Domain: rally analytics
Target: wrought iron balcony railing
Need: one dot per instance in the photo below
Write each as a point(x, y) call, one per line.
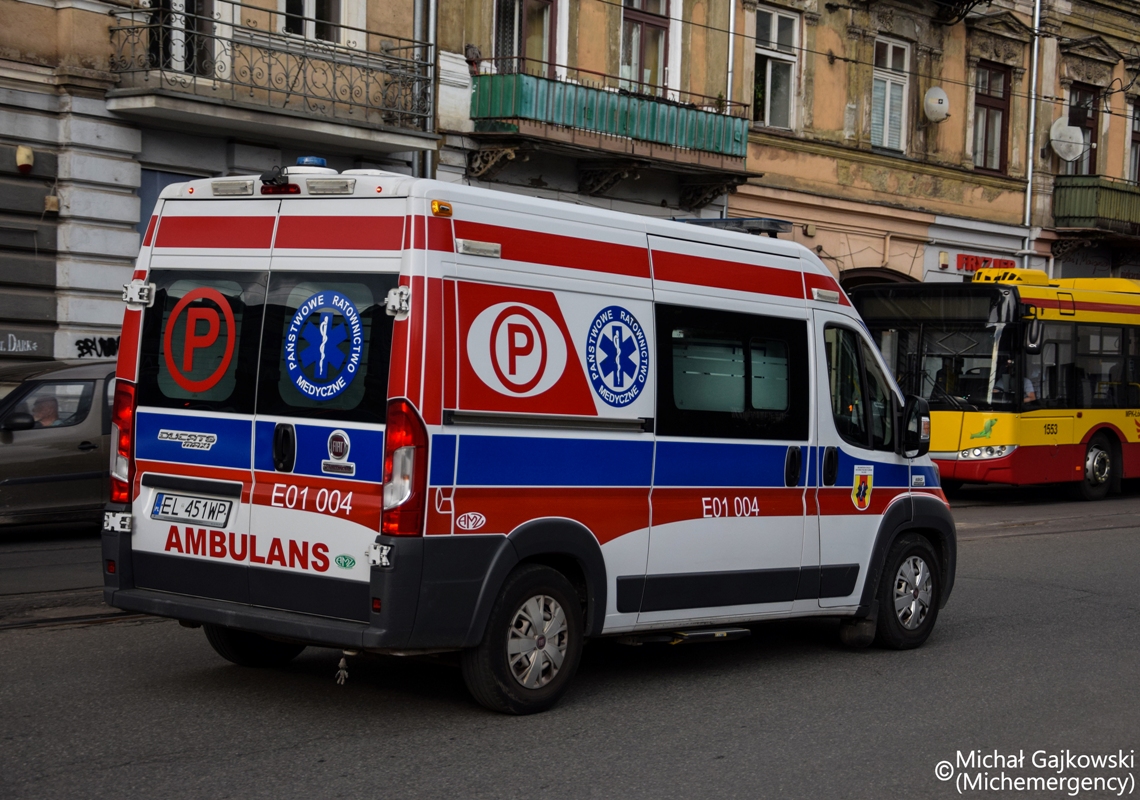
point(1093, 201)
point(521, 89)
point(259, 58)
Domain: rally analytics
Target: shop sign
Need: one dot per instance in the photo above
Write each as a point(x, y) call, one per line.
point(971, 264)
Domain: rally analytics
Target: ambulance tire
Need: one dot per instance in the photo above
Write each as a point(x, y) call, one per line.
point(1098, 468)
point(908, 602)
point(487, 668)
point(249, 649)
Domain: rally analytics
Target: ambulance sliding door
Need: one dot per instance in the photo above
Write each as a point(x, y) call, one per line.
point(733, 436)
point(321, 404)
point(860, 475)
point(194, 424)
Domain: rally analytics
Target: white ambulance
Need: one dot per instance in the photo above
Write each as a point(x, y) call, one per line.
point(390, 415)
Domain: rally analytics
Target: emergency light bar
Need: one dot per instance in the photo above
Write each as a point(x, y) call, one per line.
point(331, 185)
point(232, 188)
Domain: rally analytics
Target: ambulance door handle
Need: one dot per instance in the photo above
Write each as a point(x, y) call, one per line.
point(792, 464)
point(284, 447)
point(830, 466)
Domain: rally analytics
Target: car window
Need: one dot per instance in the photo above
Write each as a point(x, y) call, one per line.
point(58, 405)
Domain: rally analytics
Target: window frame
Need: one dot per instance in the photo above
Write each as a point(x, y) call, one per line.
point(1134, 142)
point(643, 18)
point(892, 76)
point(770, 51)
point(989, 102)
point(517, 60)
point(751, 424)
point(1091, 123)
point(309, 21)
point(864, 350)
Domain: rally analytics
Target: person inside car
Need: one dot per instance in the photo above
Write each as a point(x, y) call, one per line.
point(45, 411)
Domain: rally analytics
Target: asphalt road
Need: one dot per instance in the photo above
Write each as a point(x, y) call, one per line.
point(1037, 650)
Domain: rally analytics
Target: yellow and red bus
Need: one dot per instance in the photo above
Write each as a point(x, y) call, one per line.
point(1029, 380)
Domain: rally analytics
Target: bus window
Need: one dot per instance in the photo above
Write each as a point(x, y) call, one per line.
point(1051, 371)
point(1131, 397)
point(1100, 366)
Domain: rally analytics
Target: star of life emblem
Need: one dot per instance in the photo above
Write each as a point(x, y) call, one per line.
point(323, 345)
point(617, 356)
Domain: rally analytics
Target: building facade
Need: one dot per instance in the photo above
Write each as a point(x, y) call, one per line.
point(112, 101)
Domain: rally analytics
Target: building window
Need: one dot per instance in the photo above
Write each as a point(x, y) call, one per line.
point(182, 36)
point(313, 19)
point(1083, 115)
point(524, 40)
point(991, 117)
point(888, 95)
point(644, 31)
point(1134, 155)
point(777, 52)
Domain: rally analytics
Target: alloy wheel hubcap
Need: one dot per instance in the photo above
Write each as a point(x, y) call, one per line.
point(913, 592)
point(536, 644)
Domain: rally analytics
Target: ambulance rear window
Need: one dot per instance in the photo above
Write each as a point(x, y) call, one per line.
point(327, 345)
point(199, 340)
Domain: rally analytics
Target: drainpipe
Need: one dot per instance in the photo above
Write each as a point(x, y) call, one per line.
point(1032, 132)
point(418, 33)
point(432, 24)
point(732, 48)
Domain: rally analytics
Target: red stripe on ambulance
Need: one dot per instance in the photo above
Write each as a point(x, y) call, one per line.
point(712, 272)
point(216, 233)
point(560, 251)
point(340, 233)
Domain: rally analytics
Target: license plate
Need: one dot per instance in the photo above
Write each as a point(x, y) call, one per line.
point(181, 508)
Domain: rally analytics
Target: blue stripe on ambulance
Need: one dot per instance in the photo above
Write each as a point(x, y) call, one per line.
point(886, 475)
point(534, 461)
point(366, 450)
point(719, 464)
point(231, 449)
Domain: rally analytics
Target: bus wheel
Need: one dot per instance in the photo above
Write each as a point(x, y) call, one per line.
point(1098, 470)
point(909, 593)
point(250, 650)
point(532, 645)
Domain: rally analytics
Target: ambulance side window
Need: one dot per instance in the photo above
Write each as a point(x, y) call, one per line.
point(327, 346)
point(199, 338)
point(729, 375)
point(861, 402)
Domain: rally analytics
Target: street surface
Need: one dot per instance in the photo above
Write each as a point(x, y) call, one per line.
point(1036, 650)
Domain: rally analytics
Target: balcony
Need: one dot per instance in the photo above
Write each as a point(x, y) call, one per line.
point(244, 68)
point(604, 116)
point(1092, 201)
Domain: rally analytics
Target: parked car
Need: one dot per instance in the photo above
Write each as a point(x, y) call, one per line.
point(55, 431)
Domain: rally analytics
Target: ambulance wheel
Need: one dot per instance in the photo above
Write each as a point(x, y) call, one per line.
point(1098, 472)
point(250, 650)
point(532, 645)
point(909, 593)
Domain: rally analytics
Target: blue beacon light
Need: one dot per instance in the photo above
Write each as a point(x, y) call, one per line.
point(311, 161)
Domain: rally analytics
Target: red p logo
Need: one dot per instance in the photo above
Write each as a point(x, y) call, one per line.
point(194, 338)
point(517, 347)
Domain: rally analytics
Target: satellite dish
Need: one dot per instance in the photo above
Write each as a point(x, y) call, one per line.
point(1067, 141)
point(935, 104)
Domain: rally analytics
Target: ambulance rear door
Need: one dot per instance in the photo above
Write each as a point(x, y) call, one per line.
point(195, 396)
point(321, 403)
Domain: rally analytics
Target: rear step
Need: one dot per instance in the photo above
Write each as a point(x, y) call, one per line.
point(685, 637)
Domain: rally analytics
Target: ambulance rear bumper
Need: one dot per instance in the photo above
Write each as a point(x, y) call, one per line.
point(267, 621)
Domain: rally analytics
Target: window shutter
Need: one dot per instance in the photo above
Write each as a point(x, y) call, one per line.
point(896, 112)
point(878, 111)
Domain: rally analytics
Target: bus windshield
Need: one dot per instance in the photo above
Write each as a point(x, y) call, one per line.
point(955, 366)
point(951, 344)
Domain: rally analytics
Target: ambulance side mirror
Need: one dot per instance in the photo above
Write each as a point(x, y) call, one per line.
point(916, 427)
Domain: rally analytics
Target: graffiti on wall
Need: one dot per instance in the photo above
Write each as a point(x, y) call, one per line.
point(103, 347)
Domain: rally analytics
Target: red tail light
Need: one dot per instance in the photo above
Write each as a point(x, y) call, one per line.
point(122, 441)
point(405, 471)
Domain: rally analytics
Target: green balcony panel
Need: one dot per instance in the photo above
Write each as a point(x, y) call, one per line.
point(650, 119)
point(1092, 201)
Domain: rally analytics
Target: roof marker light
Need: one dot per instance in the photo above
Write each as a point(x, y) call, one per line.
point(440, 208)
point(331, 185)
point(232, 188)
point(311, 161)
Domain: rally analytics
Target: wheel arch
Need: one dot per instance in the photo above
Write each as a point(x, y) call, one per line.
point(564, 545)
point(924, 514)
